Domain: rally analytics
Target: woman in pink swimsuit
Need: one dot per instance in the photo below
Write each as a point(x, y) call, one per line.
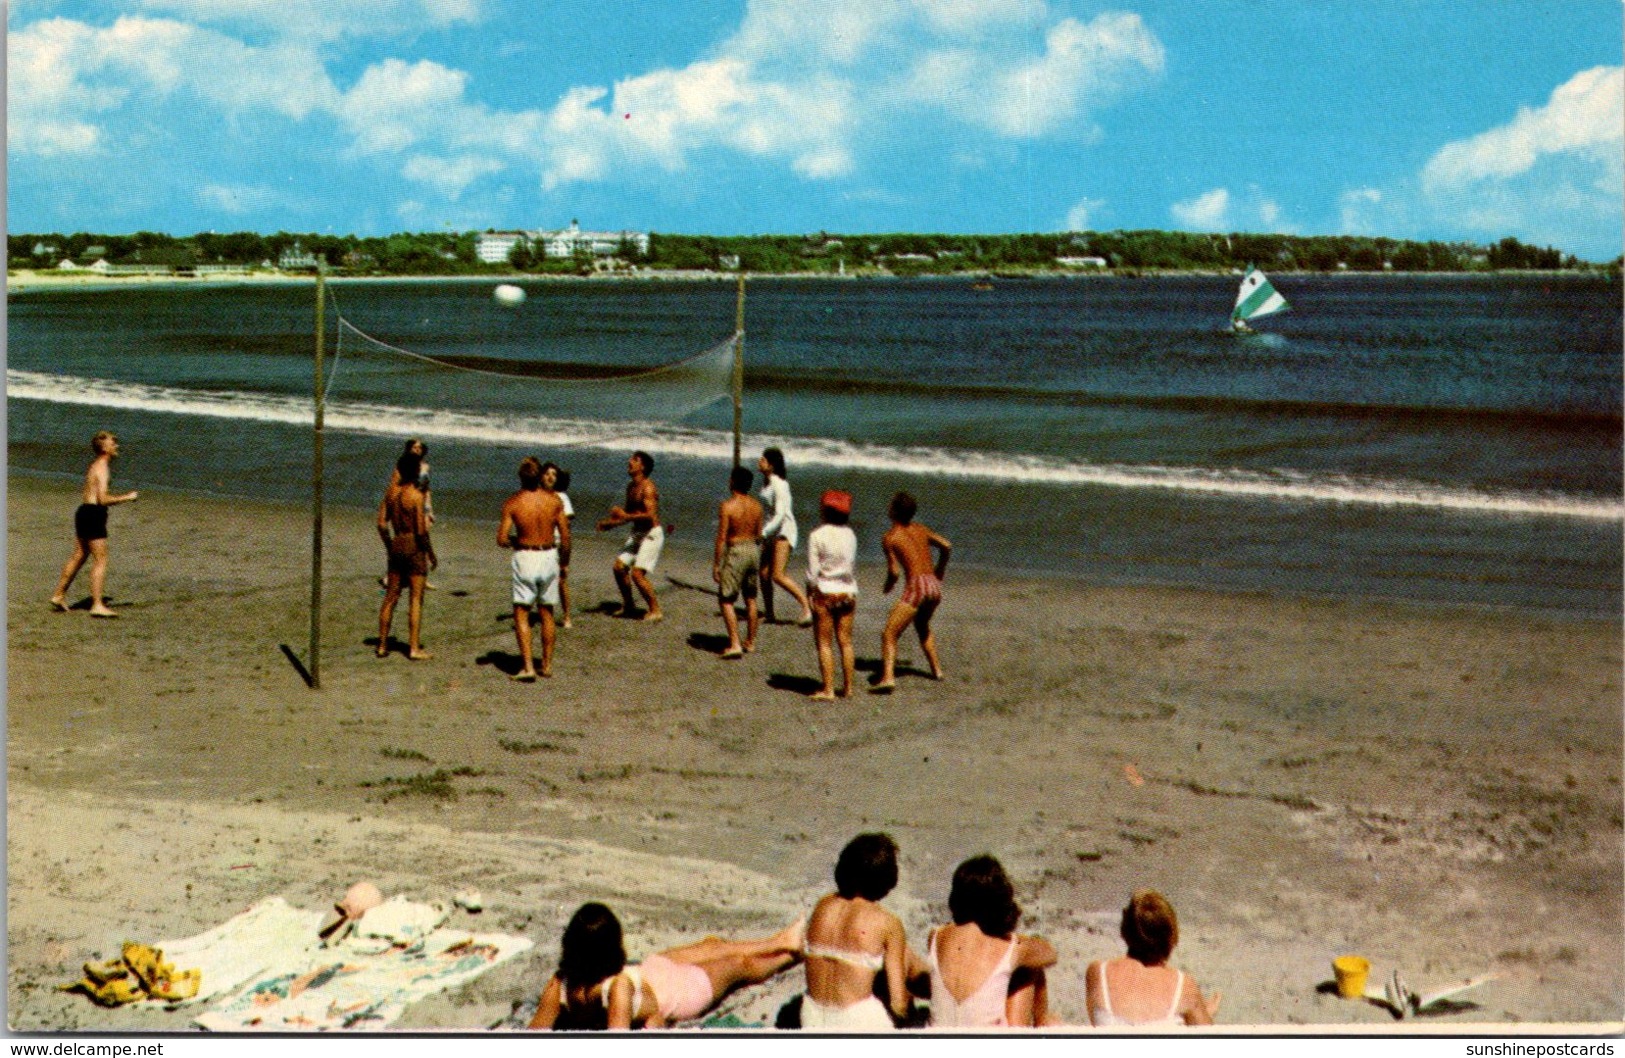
point(983, 973)
point(1141, 989)
point(594, 987)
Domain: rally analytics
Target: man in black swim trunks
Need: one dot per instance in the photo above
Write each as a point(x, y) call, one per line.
point(90, 526)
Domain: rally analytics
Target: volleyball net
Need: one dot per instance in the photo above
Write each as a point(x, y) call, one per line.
point(524, 385)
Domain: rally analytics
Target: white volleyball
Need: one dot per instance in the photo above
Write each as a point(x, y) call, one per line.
point(508, 294)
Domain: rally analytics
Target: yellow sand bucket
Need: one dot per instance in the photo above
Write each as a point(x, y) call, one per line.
point(1351, 972)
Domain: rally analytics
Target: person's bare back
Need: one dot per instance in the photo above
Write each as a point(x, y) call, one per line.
point(403, 525)
point(741, 518)
point(912, 545)
point(534, 518)
point(403, 508)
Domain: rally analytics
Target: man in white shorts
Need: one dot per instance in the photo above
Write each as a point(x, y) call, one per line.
point(642, 549)
point(534, 525)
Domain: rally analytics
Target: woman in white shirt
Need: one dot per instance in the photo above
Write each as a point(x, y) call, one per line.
point(832, 590)
point(561, 486)
point(778, 535)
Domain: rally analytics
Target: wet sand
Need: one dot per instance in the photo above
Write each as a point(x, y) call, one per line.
point(1438, 790)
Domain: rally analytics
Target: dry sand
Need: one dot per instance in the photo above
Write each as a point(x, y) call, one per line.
point(1437, 790)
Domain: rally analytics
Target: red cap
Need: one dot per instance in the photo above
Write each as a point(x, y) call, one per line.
point(836, 500)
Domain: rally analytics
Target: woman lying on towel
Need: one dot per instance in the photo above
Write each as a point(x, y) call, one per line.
point(983, 973)
point(1141, 989)
point(594, 987)
point(852, 940)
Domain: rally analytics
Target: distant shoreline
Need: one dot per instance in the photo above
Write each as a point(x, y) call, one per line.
point(26, 280)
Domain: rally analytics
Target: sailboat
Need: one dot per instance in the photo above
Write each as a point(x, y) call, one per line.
point(1257, 297)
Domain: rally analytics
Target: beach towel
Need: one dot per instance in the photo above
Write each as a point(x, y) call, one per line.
point(400, 921)
point(344, 988)
point(270, 937)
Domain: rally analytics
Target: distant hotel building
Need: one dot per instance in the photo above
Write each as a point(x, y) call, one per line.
point(493, 247)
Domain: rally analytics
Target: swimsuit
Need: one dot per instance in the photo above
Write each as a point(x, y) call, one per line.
point(835, 605)
point(1103, 1015)
point(866, 1015)
point(642, 548)
point(535, 576)
point(405, 558)
point(740, 571)
point(781, 519)
point(861, 959)
point(90, 522)
point(681, 991)
point(922, 588)
point(984, 1007)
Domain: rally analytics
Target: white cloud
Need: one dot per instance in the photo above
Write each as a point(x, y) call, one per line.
point(66, 78)
point(1081, 66)
point(236, 198)
point(449, 176)
point(1586, 115)
point(1082, 213)
point(396, 104)
point(321, 19)
point(661, 117)
point(1206, 212)
point(811, 85)
point(1552, 175)
point(1356, 208)
point(1221, 210)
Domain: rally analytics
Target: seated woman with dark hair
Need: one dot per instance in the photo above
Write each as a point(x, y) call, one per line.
point(1141, 989)
point(983, 973)
point(594, 988)
point(852, 940)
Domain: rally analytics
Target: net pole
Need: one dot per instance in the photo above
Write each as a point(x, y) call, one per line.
point(316, 489)
point(739, 367)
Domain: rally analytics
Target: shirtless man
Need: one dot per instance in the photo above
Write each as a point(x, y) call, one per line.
point(534, 525)
point(738, 555)
point(90, 526)
point(908, 555)
point(403, 524)
point(637, 559)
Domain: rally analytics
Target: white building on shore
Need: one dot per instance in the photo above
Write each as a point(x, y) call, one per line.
point(494, 247)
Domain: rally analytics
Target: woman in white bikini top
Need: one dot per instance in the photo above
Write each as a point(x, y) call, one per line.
point(851, 940)
point(1141, 989)
point(983, 974)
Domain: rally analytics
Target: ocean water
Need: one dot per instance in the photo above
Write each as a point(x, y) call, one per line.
point(1444, 440)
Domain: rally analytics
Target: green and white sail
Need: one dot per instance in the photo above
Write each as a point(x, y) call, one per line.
point(1257, 297)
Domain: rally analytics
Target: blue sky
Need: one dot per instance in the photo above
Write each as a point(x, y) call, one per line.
point(1432, 119)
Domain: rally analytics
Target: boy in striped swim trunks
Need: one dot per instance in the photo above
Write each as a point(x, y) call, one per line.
point(908, 558)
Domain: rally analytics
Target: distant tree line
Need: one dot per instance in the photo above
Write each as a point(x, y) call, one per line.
point(452, 253)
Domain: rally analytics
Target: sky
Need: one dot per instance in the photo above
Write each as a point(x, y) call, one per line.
point(1426, 119)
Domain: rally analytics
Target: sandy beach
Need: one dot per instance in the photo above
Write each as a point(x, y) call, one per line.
point(1435, 789)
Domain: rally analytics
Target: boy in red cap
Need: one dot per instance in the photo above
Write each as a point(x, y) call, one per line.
point(832, 590)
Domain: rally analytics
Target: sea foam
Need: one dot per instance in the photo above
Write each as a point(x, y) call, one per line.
point(717, 445)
